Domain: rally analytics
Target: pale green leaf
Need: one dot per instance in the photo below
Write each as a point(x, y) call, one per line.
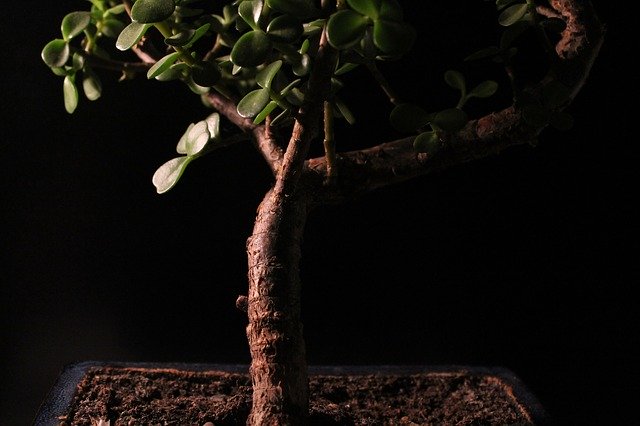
point(162, 65)
point(131, 35)
point(70, 92)
point(74, 23)
point(169, 173)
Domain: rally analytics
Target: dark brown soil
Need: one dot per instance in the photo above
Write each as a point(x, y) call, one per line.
point(130, 396)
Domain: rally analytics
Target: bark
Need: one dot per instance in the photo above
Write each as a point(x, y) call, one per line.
point(278, 366)
point(278, 362)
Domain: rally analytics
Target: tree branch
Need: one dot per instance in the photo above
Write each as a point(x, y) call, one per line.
point(389, 163)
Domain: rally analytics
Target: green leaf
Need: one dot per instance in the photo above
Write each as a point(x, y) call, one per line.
point(169, 173)
point(162, 65)
point(345, 28)
point(181, 38)
point(455, 79)
point(182, 142)
point(513, 14)
point(409, 118)
point(265, 112)
point(77, 62)
point(112, 27)
point(302, 67)
point(484, 90)
point(369, 8)
point(345, 68)
point(91, 85)
point(200, 32)
point(55, 53)
point(393, 38)
point(70, 92)
point(197, 138)
point(451, 120)
point(253, 103)
point(487, 52)
point(267, 74)
point(285, 29)
point(299, 8)
point(501, 4)
point(59, 71)
point(74, 23)
point(344, 110)
point(206, 74)
point(427, 142)
point(131, 35)
point(152, 11)
point(174, 72)
point(116, 10)
point(246, 12)
point(251, 49)
point(213, 125)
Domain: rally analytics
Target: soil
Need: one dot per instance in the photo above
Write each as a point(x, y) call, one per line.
point(138, 396)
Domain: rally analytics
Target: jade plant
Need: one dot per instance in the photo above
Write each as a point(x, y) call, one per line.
point(276, 70)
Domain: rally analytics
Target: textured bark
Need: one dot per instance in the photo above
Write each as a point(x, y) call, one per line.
point(278, 367)
point(278, 362)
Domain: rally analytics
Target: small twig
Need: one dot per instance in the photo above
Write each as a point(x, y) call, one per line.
point(113, 65)
point(384, 84)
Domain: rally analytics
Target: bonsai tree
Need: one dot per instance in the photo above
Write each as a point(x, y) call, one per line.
point(274, 70)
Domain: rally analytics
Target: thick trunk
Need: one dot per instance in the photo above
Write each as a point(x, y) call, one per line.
point(278, 367)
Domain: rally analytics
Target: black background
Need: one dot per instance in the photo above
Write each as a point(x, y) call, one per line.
point(527, 260)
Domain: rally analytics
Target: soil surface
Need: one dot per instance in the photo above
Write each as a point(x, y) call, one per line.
point(133, 396)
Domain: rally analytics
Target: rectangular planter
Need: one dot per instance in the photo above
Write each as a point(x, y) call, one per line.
point(61, 395)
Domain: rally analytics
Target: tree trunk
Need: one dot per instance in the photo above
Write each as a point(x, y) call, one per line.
point(278, 366)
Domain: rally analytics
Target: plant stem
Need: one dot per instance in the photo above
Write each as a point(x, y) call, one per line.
point(382, 81)
point(329, 143)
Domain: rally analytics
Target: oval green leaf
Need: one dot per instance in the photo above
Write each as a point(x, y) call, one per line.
point(91, 85)
point(265, 112)
point(74, 23)
point(487, 52)
point(451, 119)
point(369, 8)
point(253, 103)
point(285, 29)
point(112, 27)
point(455, 79)
point(162, 65)
point(151, 11)
point(197, 138)
point(267, 74)
point(213, 125)
point(427, 142)
point(345, 28)
point(484, 90)
point(180, 39)
point(70, 92)
point(393, 38)
point(513, 14)
point(131, 35)
point(409, 118)
point(251, 49)
point(169, 173)
point(55, 53)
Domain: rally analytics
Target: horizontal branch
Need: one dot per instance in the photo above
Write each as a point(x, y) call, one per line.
point(393, 162)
